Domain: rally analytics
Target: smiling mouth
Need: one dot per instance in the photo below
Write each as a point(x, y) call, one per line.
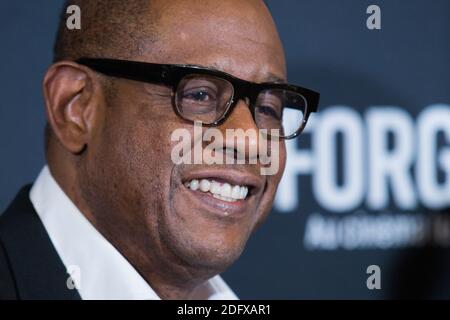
point(220, 190)
point(224, 193)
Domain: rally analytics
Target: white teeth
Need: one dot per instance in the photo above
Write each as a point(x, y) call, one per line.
point(236, 192)
point(194, 185)
point(224, 191)
point(244, 192)
point(205, 185)
point(215, 188)
point(218, 196)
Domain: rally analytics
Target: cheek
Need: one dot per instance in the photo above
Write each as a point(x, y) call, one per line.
point(272, 184)
point(134, 157)
point(147, 153)
point(283, 157)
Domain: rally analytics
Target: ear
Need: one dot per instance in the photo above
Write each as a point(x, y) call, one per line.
point(72, 94)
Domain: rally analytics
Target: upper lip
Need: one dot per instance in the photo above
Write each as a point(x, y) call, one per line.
point(231, 176)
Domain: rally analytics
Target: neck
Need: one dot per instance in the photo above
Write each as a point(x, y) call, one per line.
point(167, 275)
point(167, 291)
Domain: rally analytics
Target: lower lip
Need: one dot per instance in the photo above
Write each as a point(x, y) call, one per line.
point(219, 207)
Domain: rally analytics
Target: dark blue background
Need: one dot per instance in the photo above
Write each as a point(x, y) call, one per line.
point(328, 48)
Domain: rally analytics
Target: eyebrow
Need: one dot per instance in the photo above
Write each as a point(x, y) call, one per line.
point(270, 77)
point(274, 78)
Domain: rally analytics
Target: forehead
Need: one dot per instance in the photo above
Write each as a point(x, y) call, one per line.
point(238, 37)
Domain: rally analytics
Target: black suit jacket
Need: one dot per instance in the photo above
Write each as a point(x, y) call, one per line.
point(30, 267)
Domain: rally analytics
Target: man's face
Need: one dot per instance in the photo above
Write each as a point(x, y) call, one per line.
point(138, 195)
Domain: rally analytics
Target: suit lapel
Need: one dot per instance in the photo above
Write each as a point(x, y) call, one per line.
point(37, 268)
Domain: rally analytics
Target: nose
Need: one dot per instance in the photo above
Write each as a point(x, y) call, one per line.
point(241, 135)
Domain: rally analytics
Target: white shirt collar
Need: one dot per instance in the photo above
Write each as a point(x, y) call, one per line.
point(103, 272)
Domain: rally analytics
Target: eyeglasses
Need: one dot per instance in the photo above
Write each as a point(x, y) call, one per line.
point(209, 96)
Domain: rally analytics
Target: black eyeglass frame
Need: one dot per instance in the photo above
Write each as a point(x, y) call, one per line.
point(172, 74)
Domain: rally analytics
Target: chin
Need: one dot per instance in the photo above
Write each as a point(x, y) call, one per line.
point(211, 253)
point(209, 244)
